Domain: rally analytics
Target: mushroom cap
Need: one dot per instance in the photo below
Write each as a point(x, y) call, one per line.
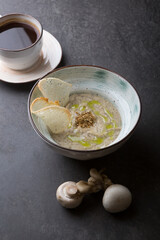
point(68, 196)
point(116, 198)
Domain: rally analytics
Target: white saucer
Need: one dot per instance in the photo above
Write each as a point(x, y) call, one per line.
point(51, 55)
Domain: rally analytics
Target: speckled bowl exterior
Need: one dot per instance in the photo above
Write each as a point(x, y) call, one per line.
point(104, 82)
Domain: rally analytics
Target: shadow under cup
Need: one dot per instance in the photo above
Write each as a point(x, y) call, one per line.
point(20, 41)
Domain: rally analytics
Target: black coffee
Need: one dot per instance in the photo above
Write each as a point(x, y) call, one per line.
point(15, 36)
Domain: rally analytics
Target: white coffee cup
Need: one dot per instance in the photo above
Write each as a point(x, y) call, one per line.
point(24, 58)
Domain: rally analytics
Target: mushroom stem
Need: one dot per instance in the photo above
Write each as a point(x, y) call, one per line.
point(71, 190)
point(83, 187)
point(106, 182)
point(96, 175)
point(99, 181)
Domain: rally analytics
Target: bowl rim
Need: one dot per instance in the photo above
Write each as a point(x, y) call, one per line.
point(75, 150)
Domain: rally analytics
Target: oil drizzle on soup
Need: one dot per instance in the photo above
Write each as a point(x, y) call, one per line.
point(106, 127)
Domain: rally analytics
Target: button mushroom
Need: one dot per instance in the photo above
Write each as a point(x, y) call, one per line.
point(116, 198)
point(68, 195)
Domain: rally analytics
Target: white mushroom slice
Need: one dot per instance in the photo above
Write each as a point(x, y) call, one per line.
point(68, 195)
point(55, 117)
point(40, 103)
point(116, 198)
point(55, 90)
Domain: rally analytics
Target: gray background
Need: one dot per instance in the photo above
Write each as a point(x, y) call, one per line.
point(124, 37)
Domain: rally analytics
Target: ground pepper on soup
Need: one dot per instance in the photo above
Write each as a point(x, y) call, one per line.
point(95, 123)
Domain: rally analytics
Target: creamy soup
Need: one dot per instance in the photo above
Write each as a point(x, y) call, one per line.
point(95, 123)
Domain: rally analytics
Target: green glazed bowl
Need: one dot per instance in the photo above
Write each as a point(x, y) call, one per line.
point(104, 82)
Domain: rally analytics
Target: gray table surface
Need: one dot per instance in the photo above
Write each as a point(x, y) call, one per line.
point(124, 37)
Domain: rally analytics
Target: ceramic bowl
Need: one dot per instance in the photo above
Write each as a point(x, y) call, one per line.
point(104, 82)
